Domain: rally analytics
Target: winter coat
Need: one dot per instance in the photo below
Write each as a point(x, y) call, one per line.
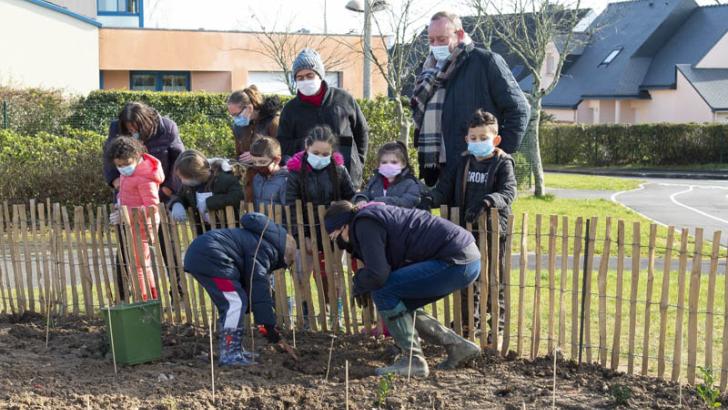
point(141, 189)
point(484, 81)
point(501, 183)
point(270, 189)
point(318, 186)
point(340, 111)
point(225, 188)
point(404, 191)
point(396, 237)
point(228, 253)
point(165, 145)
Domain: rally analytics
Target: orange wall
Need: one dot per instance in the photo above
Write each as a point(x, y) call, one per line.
point(217, 81)
point(123, 50)
point(117, 80)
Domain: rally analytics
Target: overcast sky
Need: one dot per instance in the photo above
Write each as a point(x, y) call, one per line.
point(285, 15)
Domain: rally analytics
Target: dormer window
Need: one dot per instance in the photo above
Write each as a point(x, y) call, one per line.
point(611, 56)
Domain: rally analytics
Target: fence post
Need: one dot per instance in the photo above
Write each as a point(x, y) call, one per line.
point(583, 288)
point(6, 120)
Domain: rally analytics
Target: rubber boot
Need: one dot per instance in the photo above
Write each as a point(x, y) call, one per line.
point(399, 323)
point(231, 349)
point(459, 350)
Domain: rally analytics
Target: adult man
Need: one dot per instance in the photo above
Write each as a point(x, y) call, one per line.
point(456, 80)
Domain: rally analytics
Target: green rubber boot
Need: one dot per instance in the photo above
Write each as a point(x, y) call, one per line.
point(459, 350)
point(399, 323)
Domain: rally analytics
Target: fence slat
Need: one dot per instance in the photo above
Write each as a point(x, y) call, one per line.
point(331, 272)
point(317, 268)
point(5, 288)
point(522, 282)
point(298, 293)
point(305, 268)
point(15, 259)
point(587, 300)
point(44, 239)
point(494, 268)
point(188, 284)
point(61, 290)
point(71, 264)
point(484, 278)
point(81, 252)
point(444, 212)
point(35, 249)
point(616, 341)
point(711, 300)
point(602, 286)
point(507, 288)
point(680, 312)
point(470, 300)
point(664, 300)
point(693, 299)
point(578, 232)
point(724, 362)
point(152, 232)
point(176, 279)
point(633, 294)
point(96, 263)
point(562, 279)
point(553, 226)
point(648, 299)
point(536, 317)
point(195, 290)
point(27, 257)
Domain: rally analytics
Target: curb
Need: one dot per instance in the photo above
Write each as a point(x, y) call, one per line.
point(717, 175)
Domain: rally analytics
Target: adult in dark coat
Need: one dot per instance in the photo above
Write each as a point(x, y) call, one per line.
point(234, 266)
point(317, 103)
point(411, 258)
point(455, 81)
point(161, 138)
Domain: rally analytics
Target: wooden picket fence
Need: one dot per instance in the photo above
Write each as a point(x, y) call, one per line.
point(558, 294)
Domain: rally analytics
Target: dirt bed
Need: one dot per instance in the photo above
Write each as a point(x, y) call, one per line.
point(76, 371)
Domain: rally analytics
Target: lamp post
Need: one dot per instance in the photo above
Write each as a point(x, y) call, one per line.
point(367, 7)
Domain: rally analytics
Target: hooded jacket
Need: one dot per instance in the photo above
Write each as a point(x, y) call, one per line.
point(404, 191)
point(228, 253)
point(141, 189)
point(225, 188)
point(271, 188)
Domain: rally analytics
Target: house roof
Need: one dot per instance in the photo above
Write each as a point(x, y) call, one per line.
point(63, 10)
point(710, 83)
point(638, 30)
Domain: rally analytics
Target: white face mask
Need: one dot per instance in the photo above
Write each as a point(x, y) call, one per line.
point(440, 53)
point(309, 87)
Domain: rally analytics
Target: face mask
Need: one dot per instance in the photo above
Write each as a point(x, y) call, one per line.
point(481, 148)
point(390, 170)
point(318, 162)
point(344, 245)
point(309, 87)
point(190, 182)
point(136, 136)
point(440, 52)
point(128, 170)
point(241, 121)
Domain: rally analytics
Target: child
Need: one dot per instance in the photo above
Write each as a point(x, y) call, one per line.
point(233, 266)
point(207, 185)
point(484, 179)
point(270, 181)
point(140, 177)
point(317, 175)
point(394, 182)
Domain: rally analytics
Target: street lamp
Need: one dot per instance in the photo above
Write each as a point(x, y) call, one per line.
point(367, 7)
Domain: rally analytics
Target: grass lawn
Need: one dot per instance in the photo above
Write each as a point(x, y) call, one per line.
point(590, 182)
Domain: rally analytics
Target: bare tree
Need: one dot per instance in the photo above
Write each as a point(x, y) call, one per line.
point(528, 28)
point(282, 47)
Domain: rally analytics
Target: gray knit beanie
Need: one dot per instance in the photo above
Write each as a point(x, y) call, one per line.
point(309, 59)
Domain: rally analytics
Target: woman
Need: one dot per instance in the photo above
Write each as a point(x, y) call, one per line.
point(160, 137)
point(411, 259)
point(316, 104)
point(253, 116)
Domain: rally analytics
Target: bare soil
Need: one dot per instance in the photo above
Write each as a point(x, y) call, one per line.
point(76, 371)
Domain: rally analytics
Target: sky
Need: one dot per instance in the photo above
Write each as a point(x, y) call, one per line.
point(292, 15)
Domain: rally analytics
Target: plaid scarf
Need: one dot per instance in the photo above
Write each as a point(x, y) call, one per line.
point(428, 98)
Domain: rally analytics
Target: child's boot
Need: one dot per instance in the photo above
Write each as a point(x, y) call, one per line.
point(231, 350)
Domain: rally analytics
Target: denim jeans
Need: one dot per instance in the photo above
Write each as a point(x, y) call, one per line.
point(421, 283)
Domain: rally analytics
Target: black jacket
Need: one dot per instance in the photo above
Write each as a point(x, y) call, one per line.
point(450, 189)
point(483, 81)
point(226, 191)
point(340, 111)
point(387, 238)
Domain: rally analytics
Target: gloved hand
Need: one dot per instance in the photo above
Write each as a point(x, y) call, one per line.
point(430, 174)
point(178, 212)
point(115, 217)
point(426, 201)
point(271, 333)
point(361, 300)
point(472, 214)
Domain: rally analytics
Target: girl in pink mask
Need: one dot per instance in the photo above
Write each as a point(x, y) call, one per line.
point(394, 182)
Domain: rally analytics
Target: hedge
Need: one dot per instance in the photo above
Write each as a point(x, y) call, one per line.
point(642, 144)
point(29, 111)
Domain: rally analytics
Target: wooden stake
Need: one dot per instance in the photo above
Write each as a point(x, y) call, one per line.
point(715, 253)
point(619, 291)
point(328, 363)
point(212, 363)
point(412, 346)
point(575, 288)
point(494, 266)
point(724, 362)
point(633, 294)
point(507, 289)
point(27, 256)
point(35, 249)
point(536, 318)
point(456, 296)
point(17, 266)
point(564, 274)
point(8, 287)
point(693, 305)
point(317, 269)
point(680, 312)
point(82, 256)
point(71, 263)
point(95, 245)
point(330, 271)
point(587, 301)
point(602, 285)
point(484, 277)
point(553, 226)
point(306, 270)
point(444, 212)
point(522, 283)
point(648, 299)
point(346, 375)
point(664, 299)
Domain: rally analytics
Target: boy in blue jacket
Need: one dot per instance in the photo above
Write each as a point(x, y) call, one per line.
point(233, 265)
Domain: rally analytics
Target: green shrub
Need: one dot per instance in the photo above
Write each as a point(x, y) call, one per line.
point(32, 110)
point(642, 144)
point(213, 137)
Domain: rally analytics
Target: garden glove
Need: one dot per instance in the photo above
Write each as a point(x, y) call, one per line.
point(178, 212)
point(115, 217)
point(472, 214)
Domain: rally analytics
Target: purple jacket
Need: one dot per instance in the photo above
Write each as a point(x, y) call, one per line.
point(165, 145)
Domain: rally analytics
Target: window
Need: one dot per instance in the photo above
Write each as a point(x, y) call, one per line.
point(611, 56)
point(159, 81)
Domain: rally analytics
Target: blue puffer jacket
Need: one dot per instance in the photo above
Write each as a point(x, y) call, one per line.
point(405, 191)
point(270, 189)
point(229, 253)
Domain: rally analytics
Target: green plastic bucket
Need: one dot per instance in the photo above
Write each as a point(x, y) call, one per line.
point(136, 330)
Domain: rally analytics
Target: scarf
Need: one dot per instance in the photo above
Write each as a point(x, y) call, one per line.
point(428, 98)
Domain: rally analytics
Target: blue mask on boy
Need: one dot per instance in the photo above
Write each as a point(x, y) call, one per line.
point(318, 162)
point(481, 148)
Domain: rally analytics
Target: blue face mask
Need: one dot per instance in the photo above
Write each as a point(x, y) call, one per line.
point(241, 120)
point(128, 170)
point(481, 148)
point(318, 162)
point(440, 53)
point(136, 136)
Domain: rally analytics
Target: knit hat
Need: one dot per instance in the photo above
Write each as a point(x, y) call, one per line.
point(309, 59)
